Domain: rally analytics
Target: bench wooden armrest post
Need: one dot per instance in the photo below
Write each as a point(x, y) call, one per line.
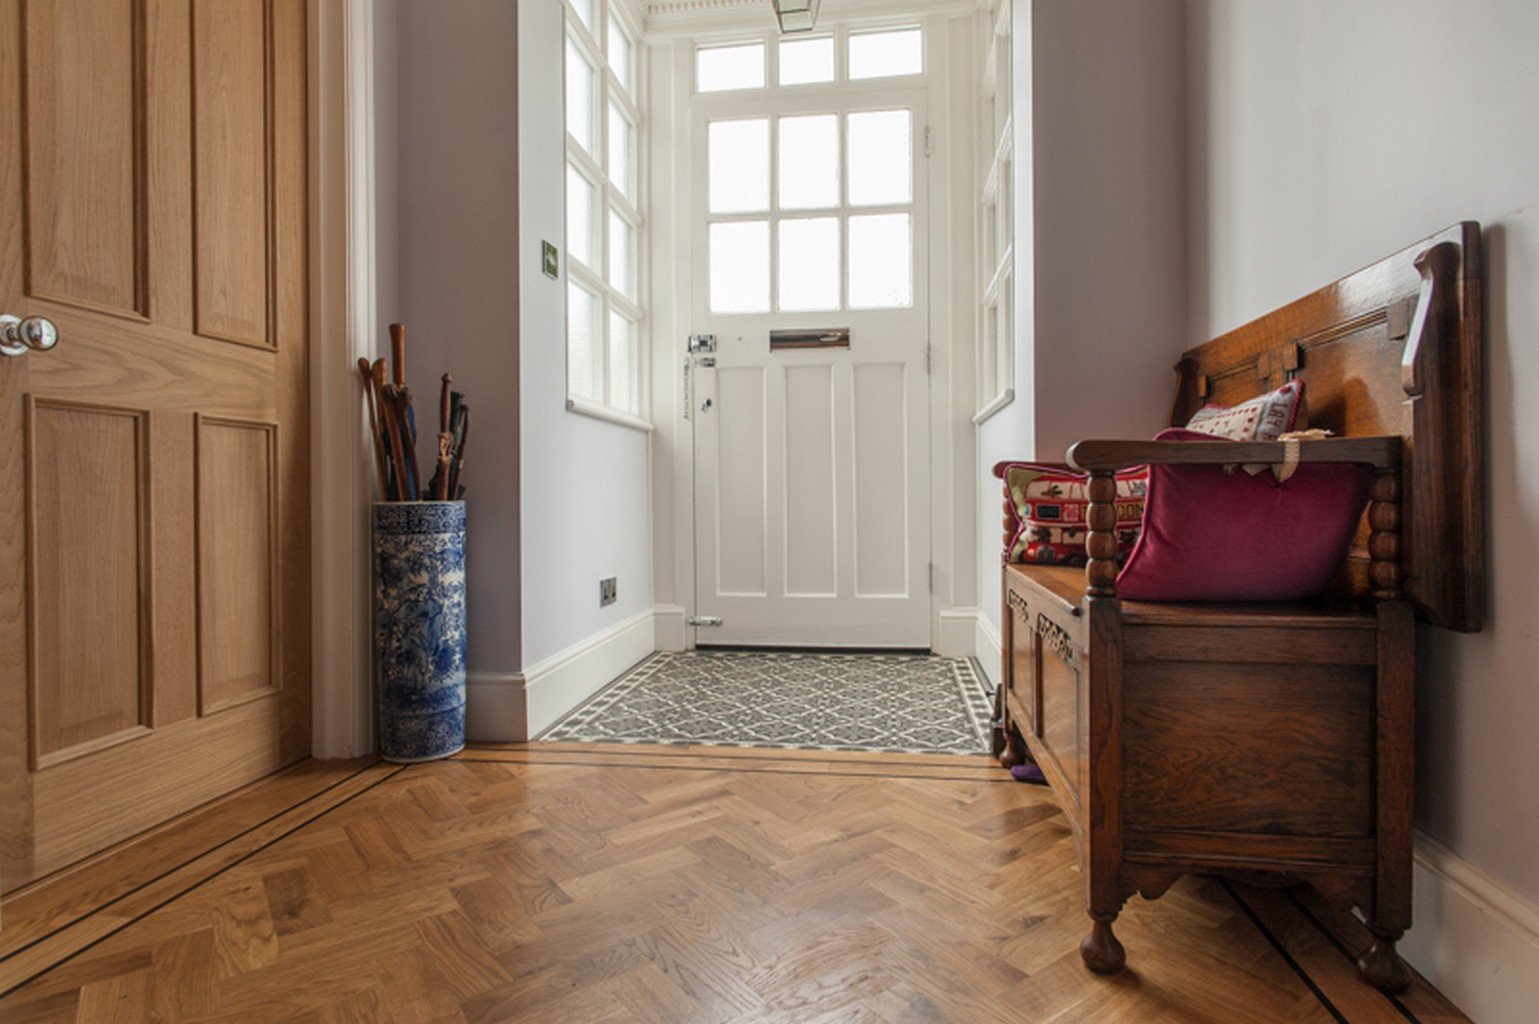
point(1101, 540)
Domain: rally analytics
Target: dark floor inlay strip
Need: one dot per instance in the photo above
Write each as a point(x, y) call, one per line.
point(173, 870)
point(1405, 1011)
point(200, 883)
point(728, 768)
point(1282, 951)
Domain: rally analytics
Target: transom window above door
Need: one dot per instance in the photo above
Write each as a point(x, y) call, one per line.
point(845, 55)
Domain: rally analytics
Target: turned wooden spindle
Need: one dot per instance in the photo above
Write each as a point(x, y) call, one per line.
point(1384, 536)
point(1101, 541)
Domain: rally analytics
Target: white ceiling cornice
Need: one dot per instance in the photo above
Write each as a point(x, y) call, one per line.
point(676, 18)
point(680, 6)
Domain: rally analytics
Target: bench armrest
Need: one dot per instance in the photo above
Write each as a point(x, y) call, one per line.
point(1000, 467)
point(1382, 453)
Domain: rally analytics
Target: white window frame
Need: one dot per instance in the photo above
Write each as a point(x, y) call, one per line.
point(772, 102)
point(610, 93)
point(996, 256)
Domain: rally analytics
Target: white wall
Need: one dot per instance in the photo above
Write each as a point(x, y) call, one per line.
point(448, 223)
point(1100, 224)
point(586, 506)
point(1323, 136)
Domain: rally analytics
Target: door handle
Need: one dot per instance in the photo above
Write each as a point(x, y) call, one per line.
point(34, 334)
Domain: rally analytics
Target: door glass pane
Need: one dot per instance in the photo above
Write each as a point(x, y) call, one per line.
point(730, 67)
point(809, 162)
point(883, 54)
point(582, 343)
point(622, 364)
point(806, 60)
point(738, 153)
point(579, 97)
point(809, 264)
point(622, 255)
point(740, 267)
point(881, 157)
point(881, 261)
point(584, 9)
point(581, 223)
point(622, 152)
point(620, 54)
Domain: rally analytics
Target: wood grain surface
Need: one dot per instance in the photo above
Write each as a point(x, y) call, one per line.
point(620, 883)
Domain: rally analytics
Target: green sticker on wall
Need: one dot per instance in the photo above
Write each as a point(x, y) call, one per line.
point(552, 261)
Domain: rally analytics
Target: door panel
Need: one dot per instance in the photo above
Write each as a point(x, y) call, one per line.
point(229, 155)
point(155, 546)
point(809, 487)
point(237, 572)
point(83, 146)
point(880, 462)
point(89, 687)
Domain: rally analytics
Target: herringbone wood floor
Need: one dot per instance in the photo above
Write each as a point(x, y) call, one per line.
point(590, 884)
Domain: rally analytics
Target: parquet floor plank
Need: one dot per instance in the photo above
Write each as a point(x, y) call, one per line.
point(682, 886)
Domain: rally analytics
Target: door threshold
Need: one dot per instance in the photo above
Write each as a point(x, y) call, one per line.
point(917, 652)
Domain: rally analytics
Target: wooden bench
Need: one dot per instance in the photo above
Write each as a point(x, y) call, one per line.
point(1276, 739)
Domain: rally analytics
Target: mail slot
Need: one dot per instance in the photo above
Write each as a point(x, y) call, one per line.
point(826, 337)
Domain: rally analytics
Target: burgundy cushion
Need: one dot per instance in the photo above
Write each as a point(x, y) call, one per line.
point(1218, 533)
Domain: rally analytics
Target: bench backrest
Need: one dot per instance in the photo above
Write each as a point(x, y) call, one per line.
point(1394, 348)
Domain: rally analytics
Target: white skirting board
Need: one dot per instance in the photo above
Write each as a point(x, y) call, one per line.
point(511, 707)
point(1473, 938)
point(671, 627)
point(956, 633)
point(495, 708)
point(989, 649)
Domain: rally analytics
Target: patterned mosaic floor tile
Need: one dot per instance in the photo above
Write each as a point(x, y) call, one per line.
point(901, 703)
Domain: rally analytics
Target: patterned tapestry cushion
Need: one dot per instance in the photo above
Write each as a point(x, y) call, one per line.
point(1261, 419)
point(1046, 508)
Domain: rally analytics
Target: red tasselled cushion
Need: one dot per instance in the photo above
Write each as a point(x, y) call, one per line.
point(1047, 506)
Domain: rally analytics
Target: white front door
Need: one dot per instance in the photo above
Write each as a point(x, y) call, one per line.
point(812, 473)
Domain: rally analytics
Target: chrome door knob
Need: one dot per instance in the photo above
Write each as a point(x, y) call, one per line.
point(34, 334)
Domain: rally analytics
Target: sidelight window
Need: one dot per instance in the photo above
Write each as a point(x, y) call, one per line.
point(604, 223)
point(995, 336)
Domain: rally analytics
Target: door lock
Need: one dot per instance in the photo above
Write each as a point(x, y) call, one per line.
point(705, 406)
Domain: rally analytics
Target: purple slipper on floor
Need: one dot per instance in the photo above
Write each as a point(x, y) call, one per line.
point(1028, 773)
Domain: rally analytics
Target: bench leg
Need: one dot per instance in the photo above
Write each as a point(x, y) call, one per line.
point(1100, 950)
point(1006, 741)
point(1381, 966)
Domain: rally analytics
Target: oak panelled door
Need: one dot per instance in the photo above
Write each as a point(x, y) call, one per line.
point(154, 493)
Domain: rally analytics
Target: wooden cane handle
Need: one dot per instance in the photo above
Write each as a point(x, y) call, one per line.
point(398, 354)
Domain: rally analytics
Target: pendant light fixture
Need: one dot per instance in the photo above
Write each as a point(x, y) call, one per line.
point(796, 15)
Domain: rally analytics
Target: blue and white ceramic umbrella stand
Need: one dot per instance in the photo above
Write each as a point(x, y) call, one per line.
point(419, 628)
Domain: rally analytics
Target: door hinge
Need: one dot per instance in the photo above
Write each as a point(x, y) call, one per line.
point(927, 140)
point(929, 359)
point(703, 620)
point(932, 577)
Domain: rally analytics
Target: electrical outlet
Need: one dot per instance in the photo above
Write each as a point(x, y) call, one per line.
point(606, 591)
